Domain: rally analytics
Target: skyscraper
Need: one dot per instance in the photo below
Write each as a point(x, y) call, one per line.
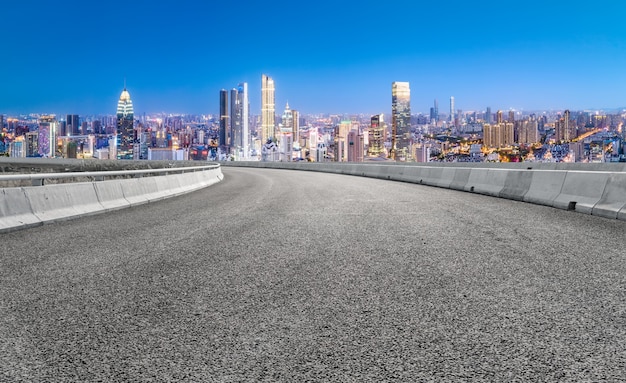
point(434, 112)
point(71, 125)
point(224, 123)
point(46, 139)
point(239, 120)
point(400, 120)
point(452, 115)
point(125, 132)
point(376, 145)
point(268, 125)
point(488, 116)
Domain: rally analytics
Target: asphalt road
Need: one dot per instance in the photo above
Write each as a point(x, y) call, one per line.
point(277, 275)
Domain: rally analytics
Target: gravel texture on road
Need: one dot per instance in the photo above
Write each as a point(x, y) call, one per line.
point(287, 276)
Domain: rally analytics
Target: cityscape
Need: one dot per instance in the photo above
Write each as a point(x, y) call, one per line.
point(238, 132)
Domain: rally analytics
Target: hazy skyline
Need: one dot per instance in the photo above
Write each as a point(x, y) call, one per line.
point(69, 57)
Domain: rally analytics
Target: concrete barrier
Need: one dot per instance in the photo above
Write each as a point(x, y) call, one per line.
point(486, 181)
point(57, 202)
point(516, 184)
point(613, 199)
point(545, 187)
point(581, 191)
point(111, 195)
point(598, 189)
point(22, 207)
point(461, 177)
point(15, 210)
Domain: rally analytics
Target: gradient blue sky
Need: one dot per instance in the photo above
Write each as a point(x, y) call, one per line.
point(325, 56)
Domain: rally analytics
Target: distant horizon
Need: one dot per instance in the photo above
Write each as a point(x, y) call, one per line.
point(176, 59)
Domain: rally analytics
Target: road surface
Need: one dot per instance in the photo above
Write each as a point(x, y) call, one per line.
point(278, 275)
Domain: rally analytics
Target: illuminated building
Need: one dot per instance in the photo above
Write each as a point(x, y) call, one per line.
point(125, 132)
point(240, 121)
point(400, 120)
point(224, 117)
point(376, 146)
point(47, 136)
point(268, 125)
point(71, 125)
point(498, 135)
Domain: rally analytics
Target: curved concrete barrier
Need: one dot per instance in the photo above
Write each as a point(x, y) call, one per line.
point(22, 207)
point(598, 189)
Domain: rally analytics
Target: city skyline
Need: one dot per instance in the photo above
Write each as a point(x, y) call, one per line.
point(341, 59)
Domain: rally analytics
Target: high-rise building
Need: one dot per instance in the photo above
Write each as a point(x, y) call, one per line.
point(499, 117)
point(296, 126)
point(452, 115)
point(46, 140)
point(233, 121)
point(400, 120)
point(72, 127)
point(224, 117)
point(376, 137)
point(287, 120)
point(125, 132)
point(488, 116)
point(355, 146)
point(268, 125)
point(243, 118)
point(434, 112)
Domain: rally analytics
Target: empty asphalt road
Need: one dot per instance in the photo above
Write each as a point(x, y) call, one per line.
point(287, 276)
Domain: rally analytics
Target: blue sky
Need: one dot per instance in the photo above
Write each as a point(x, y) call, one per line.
point(325, 56)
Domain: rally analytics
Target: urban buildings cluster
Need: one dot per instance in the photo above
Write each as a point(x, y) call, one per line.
point(234, 133)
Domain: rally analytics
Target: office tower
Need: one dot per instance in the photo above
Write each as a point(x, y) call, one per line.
point(400, 120)
point(125, 132)
point(1, 122)
point(238, 138)
point(243, 119)
point(72, 128)
point(287, 120)
point(233, 122)
point(268, 125)
point(224, 123)
point(488, 115)
point(452, 110)
point(376, 146)
point(355, 146)
point(435, 113)
point(296, 126)
point(46, 140)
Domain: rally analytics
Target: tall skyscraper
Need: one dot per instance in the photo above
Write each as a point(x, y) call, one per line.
point(71, 125)
point(239, 121)
point(376, 137)
point(400, 120)
point(224, 123)
point(125, 133)
point(452, 114)
point(295, 128)
point(488, 116)
point(46, 139)
point(268, 125)
point(434, 112)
